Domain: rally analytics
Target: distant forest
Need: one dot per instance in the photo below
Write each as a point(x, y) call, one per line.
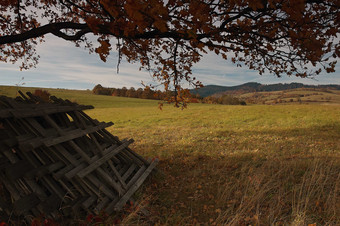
point(148, 93)
point(145, 93)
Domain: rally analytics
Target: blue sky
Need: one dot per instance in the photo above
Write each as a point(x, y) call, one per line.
point(62, 65)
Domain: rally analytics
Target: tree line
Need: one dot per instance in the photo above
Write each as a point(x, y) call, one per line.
point(148, 93)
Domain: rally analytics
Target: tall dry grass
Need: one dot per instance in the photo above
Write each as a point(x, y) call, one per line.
point(295, 191)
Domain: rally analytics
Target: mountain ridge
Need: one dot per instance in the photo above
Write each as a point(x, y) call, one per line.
point(211, 90)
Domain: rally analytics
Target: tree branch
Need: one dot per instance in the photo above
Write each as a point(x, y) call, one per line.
point(53, 28)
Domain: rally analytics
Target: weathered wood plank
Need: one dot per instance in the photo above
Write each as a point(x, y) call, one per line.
point(4, 163)
point(36, 110)
point(88, 202)
point(101, 205)
point(74, 134)
point(136, 176)
point(26, 203)
point(50, 204)
point(18, 169)
point(135, 186)
point(129, 172)
point(61, 173)
point(116, 173)
point(101, 187)
point(48, 169)
point(69, 175)
point(103, 159)
point(110, 181)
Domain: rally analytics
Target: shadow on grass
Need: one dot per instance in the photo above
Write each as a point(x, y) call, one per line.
point(237, 179)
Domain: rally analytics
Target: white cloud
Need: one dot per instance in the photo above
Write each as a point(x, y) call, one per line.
point(62, 65)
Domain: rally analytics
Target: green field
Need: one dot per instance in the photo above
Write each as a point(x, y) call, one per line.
point(236, 165)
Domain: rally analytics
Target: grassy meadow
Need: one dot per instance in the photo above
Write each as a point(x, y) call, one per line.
point(234, 165)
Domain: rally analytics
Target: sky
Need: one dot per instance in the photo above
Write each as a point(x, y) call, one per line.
point(62, 65)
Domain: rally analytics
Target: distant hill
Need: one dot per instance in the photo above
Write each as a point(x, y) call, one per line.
point(249, 87)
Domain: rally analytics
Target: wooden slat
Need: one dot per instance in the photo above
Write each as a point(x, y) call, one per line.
point(101, 205)
point(101, 187)
point(74, 134)
point(30, 111)
point(136, 176)
point(110, 181)
point(103, 159)
point(69, 175)
point(135, 186)
point(48, 169)
point(129, 172)
point(26, 203)
point(61, 173)
point(117, 175)
point(50, 204)
point(88, 202)
point(18, 169)
point(4, 163)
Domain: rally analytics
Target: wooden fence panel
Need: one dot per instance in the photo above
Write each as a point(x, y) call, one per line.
point(55, 160)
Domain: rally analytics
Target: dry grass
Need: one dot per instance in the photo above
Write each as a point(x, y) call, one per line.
point(294, 96)
point(283, 191)
point(232, 165)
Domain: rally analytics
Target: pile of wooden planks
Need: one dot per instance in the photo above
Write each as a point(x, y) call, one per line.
point(56, 161)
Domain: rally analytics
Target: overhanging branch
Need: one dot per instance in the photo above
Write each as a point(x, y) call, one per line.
point(53, 28)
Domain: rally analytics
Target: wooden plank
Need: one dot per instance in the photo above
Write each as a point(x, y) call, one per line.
point(15, 194)
point(4, 163)
point(23, 95)
point(70, 190)
point(101, 187)
point(53, 186)
point(61, 173)
point(29, 144)
point(18, 169)
point(69, 175)
point(74, 134)
point(50, 204)
point(68, 157)
point(136, 176)
point(77, 204)
point(53, 124)
point(109, 209)
point(4, 206)
point(79, 187)
point(35, 188)
point(116, 140)
point(101, 205)
point(116, 173)
point(10, 155)
point(129, 172)
point(89, 184)
point(108, 179)
point(5, 113)
point(9, 142)
point(33, 122)
point(42, 171)
point(88, 202)
point(26, 203)
point(33, 110)
point(79, 151)
point(135, 186)
point(103, 159)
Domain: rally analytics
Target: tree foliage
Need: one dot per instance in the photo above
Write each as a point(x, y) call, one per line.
point(168, 36)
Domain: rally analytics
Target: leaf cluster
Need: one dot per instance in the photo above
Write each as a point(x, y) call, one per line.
point(292, 37)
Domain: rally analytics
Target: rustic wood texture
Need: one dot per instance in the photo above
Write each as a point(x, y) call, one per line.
point(55, 160)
